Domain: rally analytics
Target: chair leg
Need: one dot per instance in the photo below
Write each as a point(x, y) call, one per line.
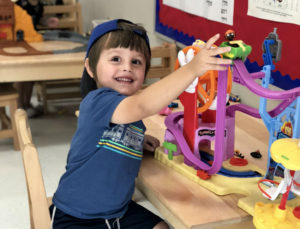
point(5, 122)
point(38, 91)
point(13, 105)
point(41, 88)
point(30, 212)
point(44, 96)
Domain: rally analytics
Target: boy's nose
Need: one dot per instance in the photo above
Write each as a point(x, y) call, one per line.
point(126, 66)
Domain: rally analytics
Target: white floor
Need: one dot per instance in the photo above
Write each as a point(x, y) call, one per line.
point(51, 135)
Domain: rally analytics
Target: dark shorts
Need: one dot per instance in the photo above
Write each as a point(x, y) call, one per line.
point(136, 217)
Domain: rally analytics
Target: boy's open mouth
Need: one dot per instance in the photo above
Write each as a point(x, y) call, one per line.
point(124, 79)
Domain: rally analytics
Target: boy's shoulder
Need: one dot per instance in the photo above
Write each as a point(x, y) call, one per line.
point(103, 91)
point(101, 97)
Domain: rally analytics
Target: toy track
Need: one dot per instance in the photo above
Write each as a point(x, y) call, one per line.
point(249, 81)
point(230, 173)
point(29, 49)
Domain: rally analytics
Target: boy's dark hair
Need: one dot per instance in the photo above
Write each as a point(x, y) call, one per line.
point(117, 33)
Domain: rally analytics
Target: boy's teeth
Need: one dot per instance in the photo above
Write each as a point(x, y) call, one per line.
point(124, 79)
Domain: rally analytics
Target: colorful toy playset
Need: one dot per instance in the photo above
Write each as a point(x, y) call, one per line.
point(206, 120)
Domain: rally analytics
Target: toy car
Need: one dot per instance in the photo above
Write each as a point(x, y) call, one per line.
point(239, 50)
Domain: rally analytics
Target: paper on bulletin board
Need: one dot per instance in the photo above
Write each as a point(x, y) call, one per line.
point(215, 10)
point(287, 11)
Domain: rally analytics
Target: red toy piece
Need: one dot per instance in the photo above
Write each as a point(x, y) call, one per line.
point(238, 161)
point(190, 121)
point(296, 212)
point(203, 174)
point(209, 116)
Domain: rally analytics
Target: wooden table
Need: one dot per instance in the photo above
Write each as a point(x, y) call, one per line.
point(39, 67)
point(42, 67)
point(185, 204)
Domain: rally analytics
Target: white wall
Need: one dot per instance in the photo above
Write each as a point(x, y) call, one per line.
point(137, 11)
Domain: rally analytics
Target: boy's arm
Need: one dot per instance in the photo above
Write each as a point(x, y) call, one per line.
point(158, 95)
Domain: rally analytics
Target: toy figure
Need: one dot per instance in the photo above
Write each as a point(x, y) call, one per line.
point(229, 35)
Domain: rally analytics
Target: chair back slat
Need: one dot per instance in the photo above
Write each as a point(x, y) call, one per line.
point(36, 189)
point(37, 199)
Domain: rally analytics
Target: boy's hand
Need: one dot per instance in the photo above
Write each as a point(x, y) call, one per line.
point(150, 143)
point(206, 59)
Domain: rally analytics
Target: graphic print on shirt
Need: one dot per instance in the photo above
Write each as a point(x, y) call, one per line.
point(123, 139)
point(115, 134)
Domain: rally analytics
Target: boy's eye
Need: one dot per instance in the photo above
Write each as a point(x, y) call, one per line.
point(115, 58)
point(137, 62)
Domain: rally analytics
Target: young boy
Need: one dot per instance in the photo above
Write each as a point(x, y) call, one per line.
point(107, 148)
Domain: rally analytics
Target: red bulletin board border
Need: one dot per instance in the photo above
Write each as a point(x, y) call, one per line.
point(251, 30)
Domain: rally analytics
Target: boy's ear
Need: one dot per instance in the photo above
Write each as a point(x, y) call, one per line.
point(87, 67)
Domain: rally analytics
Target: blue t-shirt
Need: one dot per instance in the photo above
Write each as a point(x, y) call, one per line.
point(103, 161)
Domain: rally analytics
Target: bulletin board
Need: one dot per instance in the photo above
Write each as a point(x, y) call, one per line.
point(185, 28)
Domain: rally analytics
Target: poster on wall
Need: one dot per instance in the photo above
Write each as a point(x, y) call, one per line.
point(287, 11)
point(217, 10)
point(184, 28)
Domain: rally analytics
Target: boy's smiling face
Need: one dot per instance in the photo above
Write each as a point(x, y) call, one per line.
point(120, 69)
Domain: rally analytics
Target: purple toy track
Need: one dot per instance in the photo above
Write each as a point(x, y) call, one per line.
point(254, 112)
point(248, 80)
point(172, 119)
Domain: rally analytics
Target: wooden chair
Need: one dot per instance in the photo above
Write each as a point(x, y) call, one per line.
point(8, 98)
point(71, 18)
point(37, 199)
point(77, 113)
point(56, 90)
point(166, 56)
